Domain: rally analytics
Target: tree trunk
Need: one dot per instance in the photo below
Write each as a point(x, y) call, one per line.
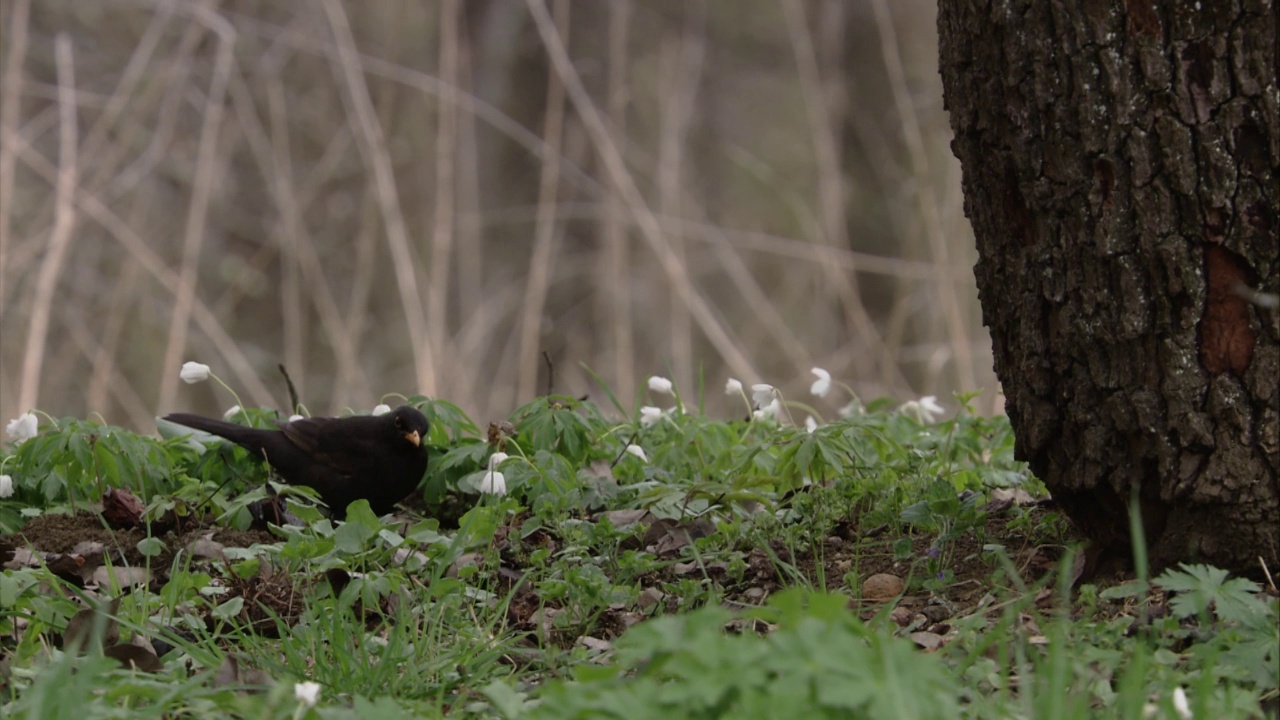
point(1120, 171)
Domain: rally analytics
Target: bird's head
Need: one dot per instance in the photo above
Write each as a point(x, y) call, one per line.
point(410, 423)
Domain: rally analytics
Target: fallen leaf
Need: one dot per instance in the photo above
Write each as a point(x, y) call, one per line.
point(106, 577)
point(121, 508)
point(132, 656)
point(90, 624)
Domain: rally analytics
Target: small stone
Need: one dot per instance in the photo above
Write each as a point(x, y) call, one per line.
point(622, 518)
point(85, 548)
point(882, 586)
point(927, 640)
point(901, 616)
point(595, 644)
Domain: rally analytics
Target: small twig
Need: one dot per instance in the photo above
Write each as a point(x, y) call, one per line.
point(551, 371)
point(624, 451)
point(208, 498)
point(294, 403)
point(1270, 580)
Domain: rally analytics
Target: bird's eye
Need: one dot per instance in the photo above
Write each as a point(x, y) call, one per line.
point(399, 423)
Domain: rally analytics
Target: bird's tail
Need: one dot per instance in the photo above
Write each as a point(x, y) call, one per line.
point(239, 434)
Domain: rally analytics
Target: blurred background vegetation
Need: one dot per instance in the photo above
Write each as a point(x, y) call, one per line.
point(476, 200)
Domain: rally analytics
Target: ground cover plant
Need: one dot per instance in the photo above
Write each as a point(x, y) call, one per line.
point(580, 559)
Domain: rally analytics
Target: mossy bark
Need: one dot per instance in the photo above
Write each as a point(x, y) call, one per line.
point(1120, 171)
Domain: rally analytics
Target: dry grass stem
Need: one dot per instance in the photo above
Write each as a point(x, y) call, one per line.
point(617, 247)
point(677, 275)
point(10, 119)
point(208, 167)
point(945, 283)
point(431, 198)
point(373, 148)
point(64, 224)
point(545, 229)
point(443, 226)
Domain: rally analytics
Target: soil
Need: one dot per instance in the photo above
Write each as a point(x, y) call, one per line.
point(845, 556)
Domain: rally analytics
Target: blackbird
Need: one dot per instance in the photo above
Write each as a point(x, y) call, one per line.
point(379, 458)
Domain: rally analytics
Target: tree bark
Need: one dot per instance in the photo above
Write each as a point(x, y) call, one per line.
point(1120, 171)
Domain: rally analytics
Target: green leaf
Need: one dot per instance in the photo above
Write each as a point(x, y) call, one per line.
point(1200, 588)
point(83, 454)
point(1133, 588)
point(351, 537)
point(246, 569)
point(360, 513)
point(229, 609)
point(470, 454)
point(108, 466)
point(151, 546)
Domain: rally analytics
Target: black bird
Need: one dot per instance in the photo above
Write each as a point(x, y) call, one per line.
point(377, 458)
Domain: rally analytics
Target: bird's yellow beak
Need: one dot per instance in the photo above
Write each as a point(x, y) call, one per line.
point(413, 437)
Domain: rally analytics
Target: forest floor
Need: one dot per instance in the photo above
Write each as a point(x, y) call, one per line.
point(877, 566)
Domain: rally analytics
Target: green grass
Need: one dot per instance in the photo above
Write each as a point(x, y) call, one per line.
point(739, 594)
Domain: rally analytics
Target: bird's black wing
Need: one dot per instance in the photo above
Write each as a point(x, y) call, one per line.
point(348, 446)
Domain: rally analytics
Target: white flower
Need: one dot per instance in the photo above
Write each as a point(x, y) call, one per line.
point(769, 411)
point(6, 486)
point(231, 412)
point(194, 372)
point(650, 415)
point(926, 409)
point(662, 385)
point(638, 451)
point(295, 418)
point(733, 387)
point(822, 385)
point(810, 424)
point(930, 409)
point(1180, 704)
point(494, 483)
point(762, 393)
point(853, 408)
point(496, 459)
point(307, 693)
point(381, 409)
point(23, 428)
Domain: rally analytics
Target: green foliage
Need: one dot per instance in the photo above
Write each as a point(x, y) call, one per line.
point(73, 459)
point(1201, 588)
point(1240, 630)
point(820, 662)
point(488, 610)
